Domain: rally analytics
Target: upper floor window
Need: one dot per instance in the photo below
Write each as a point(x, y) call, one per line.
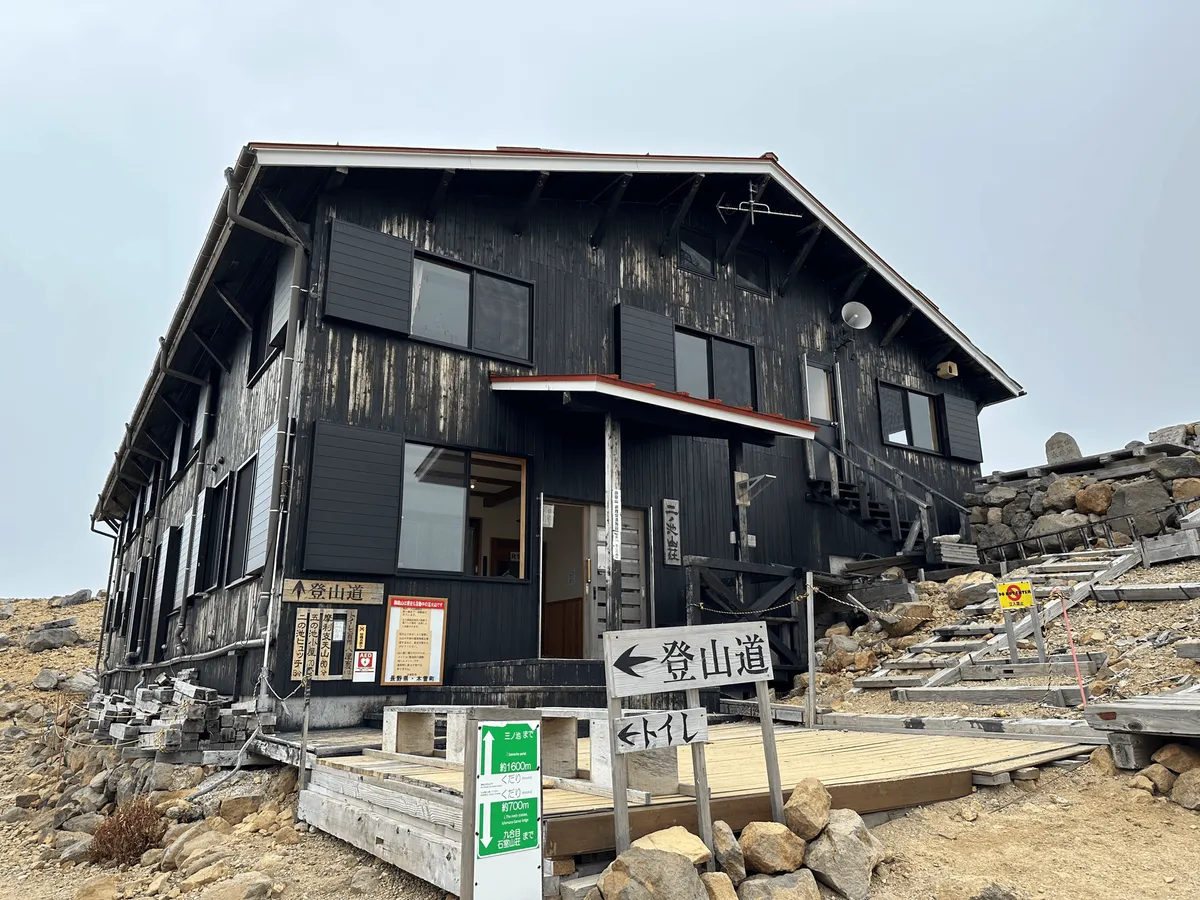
point(820, 393)
point(471, 309)
point(909, 418)
point(714, 369)
point(697, 251)
point(751, 273)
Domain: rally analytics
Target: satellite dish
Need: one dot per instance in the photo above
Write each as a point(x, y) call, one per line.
point(856, 315)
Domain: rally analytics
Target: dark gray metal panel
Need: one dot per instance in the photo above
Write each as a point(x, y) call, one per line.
point(962, 428)
point(733, 373)
point(260, 503)
point(354, 500)
point(369, 278)
point(646, 344)
point(182, 573)
point(281, 299)
point(195, 553)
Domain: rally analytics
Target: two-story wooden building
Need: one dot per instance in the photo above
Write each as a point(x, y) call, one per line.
point(449, 372)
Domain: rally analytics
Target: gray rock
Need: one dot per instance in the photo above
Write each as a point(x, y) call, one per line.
point(16, 814)
point(728, 852)
point(799, 885)
point(843, 643)
point(651, 875)
point(46, 680)
point(1037, 503)
point(82, 682)
point(971, 499)
point(992, 535)
point(1171, 467)
point(979, 515)
point(1133, 445)
point(845, 855)
point(1012, 510)
point(35, 712)
point(50, 639)
point(1061, 495)
point(78, 851)
point(1137, 498)
point(995, 516)
point(69, 622)
point(8, 710)
point(75, 599)
point(87, 823)
point(1172, 434)
point(14, 733)
point(999, 495)
point(1062, 448)
point(4, 641)
point(243, 886)
point(7, 610)
point(1054, 523)
point(364, 881)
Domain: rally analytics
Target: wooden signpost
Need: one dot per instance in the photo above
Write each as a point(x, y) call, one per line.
point(1019, 595)
point(339, 593)
point(663, 660)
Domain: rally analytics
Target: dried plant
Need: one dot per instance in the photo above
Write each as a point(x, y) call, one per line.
point(128, 833)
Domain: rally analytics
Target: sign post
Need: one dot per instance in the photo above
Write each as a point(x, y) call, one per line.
point(1019, 595)
point(502, 806)
point(664, 660)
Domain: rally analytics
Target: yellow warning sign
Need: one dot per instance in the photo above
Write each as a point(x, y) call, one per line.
point(1015, 594)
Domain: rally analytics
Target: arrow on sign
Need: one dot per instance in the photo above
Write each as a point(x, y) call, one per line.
point(298, 590)
point(487, 753)
point(626, 662)
point(486, 837)
point(623, 734)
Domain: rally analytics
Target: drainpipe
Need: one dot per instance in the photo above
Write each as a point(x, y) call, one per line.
point(283, 417)
point(112, 561)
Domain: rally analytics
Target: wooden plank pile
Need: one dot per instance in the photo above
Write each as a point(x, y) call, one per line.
point(176, 715)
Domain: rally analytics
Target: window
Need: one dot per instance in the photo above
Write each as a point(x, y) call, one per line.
point(714, 369)
point(697, 252)
point(214, 537)
point(206, 412)
point(239, 522)
point(820, 393)
point(462, 512)
point(262, 351)
point(466, 308)
point(909, 418)
point(750, 272)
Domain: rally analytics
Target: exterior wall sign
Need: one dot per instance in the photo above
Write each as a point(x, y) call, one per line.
point(508, 806)
point(364, 665)
point(653, 731)
point(614, 540)
point(316, 633)
point(672, 548)
point(414, 647)
point(547, 515)
point(306, 590)
point(656, 660)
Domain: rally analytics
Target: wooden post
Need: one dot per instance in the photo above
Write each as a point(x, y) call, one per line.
point(769, 749)
point(1038, 637)
point(620, 780)
point(700, 778)
point(1013, 653)
point(810, 706)
point(304, 735)
point(740, 527)
point(612, 517)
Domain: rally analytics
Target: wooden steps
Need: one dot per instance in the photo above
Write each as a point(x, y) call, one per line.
point(949, 646)
point(992, 671)
point(1188, 649)
point(1052, 695)
point(885, 680)
point(987, 628)
point(1146, 593)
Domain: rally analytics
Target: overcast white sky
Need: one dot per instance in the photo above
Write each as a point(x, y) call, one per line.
point(1032, 167)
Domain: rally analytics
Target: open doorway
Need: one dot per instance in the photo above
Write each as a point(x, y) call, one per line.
point(564, 582)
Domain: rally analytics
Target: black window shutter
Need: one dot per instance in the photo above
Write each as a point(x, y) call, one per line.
point(260, 503)
point(195, 573)
point(369, 280)
point(183, 571)
point(961, 420)
point(354, 500)
point(281, 300)
point(732, 373)
point(645, 347)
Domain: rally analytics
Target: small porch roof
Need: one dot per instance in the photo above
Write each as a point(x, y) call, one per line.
point(677, 413)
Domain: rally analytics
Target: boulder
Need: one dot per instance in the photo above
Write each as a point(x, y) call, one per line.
point(979, 515)
point(795, 886)
point(1137, 498)
point(650, 874)
point(1010, 511)
point(974, 587)
point(1142, 783)
point(16, 814)
point(1095, 499)
point(51, 639)
point(82, 682)
point(234, 809)
point(246, 886)
point(1060, 495)
point(843, 644)
point(99, 887)
point(988, 536)
point(728, 852)
point(364, 881)
point(46, 680)
point(1185, 489)
point(1171, 467)
point(1059, 532)
point(4, 641)
point(75, 599)
point(1037, 503)
point(206, 876)
point(7, 610)
point(807, 809)
point(77, 851)
point(85, 823)
point(770, 849)
point(995, 515)
point(838, 628)
point(676, 839)
point(905, 618)
point(845, 855)
point(1179, 758)
point(969, 888)
point(1172, 434)
point(1062, 448)
point(999, 495)
point(1160, 776)
point(1186, 791)
point(718, 886)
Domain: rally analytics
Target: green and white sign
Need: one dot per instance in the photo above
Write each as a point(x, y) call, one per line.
point(508, 797)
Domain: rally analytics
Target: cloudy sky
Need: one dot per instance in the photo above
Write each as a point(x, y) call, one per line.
point(1030, 166)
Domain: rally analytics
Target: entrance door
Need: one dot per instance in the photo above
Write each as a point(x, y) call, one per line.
point(634, 613)
point(564, 580)
point(819, 386)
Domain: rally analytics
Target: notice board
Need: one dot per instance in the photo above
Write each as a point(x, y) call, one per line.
point(414, 648)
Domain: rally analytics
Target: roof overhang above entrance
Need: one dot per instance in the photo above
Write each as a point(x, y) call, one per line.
point(672, 412)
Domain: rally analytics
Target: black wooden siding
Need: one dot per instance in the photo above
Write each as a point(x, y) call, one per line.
point(353, 500)
point(961, 420)
point(646, 347)
point(369, 278)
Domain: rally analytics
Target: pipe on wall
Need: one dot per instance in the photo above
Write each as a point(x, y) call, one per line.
point(236, 647)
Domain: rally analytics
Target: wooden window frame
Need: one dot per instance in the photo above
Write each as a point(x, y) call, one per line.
point(708, 340)
point(461, 575)
point(471, 271)
point(939, 425)
point(766, 260)
point(235, 481)
point(696, 232)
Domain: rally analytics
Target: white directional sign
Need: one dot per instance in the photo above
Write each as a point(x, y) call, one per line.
point(508, 821)
point(670, 728)
point(657, 660)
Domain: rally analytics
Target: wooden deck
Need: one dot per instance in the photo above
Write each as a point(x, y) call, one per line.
point(379, 802)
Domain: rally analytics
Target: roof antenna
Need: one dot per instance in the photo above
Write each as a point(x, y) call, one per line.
point(753, 207)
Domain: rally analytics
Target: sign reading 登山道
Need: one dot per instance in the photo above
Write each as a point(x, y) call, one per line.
point(653, 731)
point(655, 660)
point(307, 590)
point(508, 811)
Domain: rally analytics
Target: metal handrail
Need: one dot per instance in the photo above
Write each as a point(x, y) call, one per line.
point(917, 481)
point(920, 501)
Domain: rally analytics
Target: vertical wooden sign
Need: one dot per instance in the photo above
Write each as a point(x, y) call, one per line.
point(298, 644)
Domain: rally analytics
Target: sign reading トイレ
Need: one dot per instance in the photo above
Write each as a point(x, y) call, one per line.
point(414, 640)
point(656, 730)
